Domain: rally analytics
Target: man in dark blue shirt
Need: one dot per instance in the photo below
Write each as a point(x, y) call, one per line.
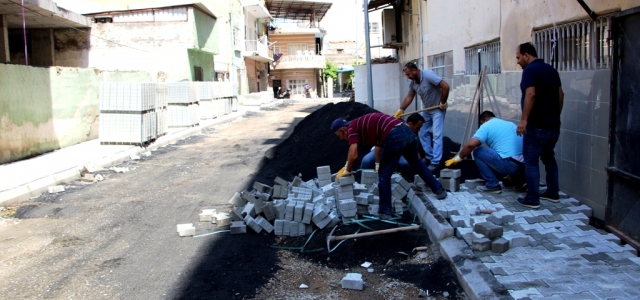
point(542, 99)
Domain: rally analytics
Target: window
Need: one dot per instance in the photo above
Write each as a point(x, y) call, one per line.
point(297, 86)
point(437, 64)
point(294, 48)
point(374, 27)
point(236, 37)
point(581, 45)
point(276, 49)
point(489, 55)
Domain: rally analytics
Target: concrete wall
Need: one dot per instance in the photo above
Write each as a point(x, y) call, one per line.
point(204, 60)
point(386, 92)
point(206, 34)
point(72, 48)
point(44, 109)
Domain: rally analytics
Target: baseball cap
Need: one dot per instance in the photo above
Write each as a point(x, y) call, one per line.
point(339, 123)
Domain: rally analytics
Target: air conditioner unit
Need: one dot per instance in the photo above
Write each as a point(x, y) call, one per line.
point(388, 26)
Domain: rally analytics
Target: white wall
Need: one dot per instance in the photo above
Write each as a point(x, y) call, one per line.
point(386, 89)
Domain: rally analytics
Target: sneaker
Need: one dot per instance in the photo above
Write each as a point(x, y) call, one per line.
point(493, 190)
point(549, 197)
point(522, 187)
point(441, 195)
point(524, 202)
point(432, 167)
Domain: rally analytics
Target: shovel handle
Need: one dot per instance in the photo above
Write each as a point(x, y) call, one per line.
point(357, 235)
point(417, 111)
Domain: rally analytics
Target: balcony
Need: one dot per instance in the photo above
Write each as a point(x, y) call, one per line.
point(257, 50)
point(256, 8)
point(301, 61)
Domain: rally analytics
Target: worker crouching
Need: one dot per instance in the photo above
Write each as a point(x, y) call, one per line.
point(396, 139)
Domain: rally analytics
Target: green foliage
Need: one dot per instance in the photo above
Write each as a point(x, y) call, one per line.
point(330, 70)
point(359, 63)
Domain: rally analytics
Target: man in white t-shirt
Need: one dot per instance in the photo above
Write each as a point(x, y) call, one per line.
point(501, 157)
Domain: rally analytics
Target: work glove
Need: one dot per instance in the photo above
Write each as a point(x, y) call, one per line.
point(452, 161)
point(443, 106)
point(398, 113)
point(377, 167)
point(342, 173)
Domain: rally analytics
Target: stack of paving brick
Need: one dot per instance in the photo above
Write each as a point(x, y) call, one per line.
point(162, 111)
point(296, 208)
point(128, 112)
point(450, 179)
point(182, 98)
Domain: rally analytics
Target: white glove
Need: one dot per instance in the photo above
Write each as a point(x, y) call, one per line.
point(377, 167)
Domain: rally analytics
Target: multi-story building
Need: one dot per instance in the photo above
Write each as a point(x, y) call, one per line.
point(256, 45)
point(297, 43)
point(457, 38)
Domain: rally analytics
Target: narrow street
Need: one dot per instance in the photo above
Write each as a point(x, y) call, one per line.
point(117, 239)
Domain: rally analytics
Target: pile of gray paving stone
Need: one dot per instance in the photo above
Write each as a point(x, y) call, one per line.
point(298, 207)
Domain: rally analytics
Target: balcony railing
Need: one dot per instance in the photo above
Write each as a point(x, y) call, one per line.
point(256, 48)
point(301, 61)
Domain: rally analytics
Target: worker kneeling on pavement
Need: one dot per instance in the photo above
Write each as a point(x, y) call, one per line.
point(501, 157)
point(372, 159)
point(396, 139)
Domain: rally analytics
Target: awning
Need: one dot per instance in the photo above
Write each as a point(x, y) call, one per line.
point(41, 14)
point(380, 4)
point(298, 9)
point(346, 69)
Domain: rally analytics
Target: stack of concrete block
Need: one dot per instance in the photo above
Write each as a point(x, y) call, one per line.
point(450, 179)
point(280, 188)
point(398, 206)
point(489, 237)
point(324, 176)
point(344, 192)
point(368, 177)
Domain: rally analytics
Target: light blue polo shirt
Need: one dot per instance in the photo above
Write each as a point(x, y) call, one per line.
point(428, 89)
point(500, 135)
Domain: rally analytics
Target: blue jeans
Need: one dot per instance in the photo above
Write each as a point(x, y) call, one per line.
point(401, 142)
point(539, 144)
point(369, 162)
point(492, 166)
point(433, 121)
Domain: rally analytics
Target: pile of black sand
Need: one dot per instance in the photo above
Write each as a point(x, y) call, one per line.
point(312, 144)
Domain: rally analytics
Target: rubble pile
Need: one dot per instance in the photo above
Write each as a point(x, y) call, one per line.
point(298, 207)
point(383, 60)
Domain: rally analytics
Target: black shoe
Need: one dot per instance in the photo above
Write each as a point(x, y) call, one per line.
point(549, 197)
point(385, 217)
point(526, 203)
point(484, 189)
point(520, 187)
point(441, 195)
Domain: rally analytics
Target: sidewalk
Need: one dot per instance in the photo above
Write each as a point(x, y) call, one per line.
point(553, 252)
point(28, 178)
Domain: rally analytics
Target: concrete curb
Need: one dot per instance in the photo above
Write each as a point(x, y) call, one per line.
point(35, 188)
point(474, 277)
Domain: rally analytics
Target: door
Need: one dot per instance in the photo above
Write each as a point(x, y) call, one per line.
point(623, 195)
point(198, 74)
point(276, 85)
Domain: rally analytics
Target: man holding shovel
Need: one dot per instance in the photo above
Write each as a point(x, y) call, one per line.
point(433, 92)
point(396, 139)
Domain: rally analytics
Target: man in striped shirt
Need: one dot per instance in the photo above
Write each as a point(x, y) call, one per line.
point(396, 139)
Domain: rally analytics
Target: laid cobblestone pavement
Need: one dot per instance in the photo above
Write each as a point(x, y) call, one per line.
point(553, 253)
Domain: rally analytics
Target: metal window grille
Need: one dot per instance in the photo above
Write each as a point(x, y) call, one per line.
point(581, 45)
point(437, 64)
point(373, 27)
point(489, 55)
point(297, 86)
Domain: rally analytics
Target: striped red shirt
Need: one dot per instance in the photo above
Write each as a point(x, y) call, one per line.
point(371, 129)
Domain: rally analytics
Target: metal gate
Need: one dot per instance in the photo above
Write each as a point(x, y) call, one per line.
point(623, 206)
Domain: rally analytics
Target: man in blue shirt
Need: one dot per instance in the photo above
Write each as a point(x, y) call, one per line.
point(542, 100)
point(501, 157)
point(433, 91)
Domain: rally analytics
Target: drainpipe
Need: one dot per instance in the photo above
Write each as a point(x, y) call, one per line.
point(592, 14)
point(421, 45)
point(368, 49)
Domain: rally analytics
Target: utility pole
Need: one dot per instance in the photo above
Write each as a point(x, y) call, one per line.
point(368, 49)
